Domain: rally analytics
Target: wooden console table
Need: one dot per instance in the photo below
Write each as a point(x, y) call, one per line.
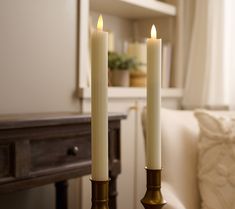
point(41, 149)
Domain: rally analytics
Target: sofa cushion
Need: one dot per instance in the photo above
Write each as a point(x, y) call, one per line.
point(216, 162)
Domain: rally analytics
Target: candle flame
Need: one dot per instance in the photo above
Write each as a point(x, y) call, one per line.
point(153, 32)
point(100, 23)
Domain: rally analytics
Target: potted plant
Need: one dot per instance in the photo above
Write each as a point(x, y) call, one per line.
point(120, 65)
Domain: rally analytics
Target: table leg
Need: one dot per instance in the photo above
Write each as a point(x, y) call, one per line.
point(113, 192)
point(61, 194)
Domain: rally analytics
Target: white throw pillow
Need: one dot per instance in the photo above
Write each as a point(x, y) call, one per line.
point(216, 169)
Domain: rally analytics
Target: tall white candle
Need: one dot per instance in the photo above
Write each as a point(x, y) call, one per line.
point(153, 151)
point(99, 77)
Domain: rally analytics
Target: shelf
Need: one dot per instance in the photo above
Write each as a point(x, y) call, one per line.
point(131, 93)
point(133, 9)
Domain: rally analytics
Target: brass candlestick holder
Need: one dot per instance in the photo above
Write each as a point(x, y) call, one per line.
point(153, 198)
point(100, 194)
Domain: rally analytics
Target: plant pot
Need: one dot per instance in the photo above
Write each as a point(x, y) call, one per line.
point(120, 78)
point(137, 79)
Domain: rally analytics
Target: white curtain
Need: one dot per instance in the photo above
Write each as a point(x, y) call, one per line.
point(206, 81)
point(229, 51)
point(184, 22)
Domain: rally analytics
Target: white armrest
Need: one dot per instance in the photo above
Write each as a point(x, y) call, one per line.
point(179, 153)
point(171, 197)
point(180, 134)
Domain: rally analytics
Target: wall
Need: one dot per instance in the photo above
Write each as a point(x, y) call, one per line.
point(38, 56)
point(38, 70)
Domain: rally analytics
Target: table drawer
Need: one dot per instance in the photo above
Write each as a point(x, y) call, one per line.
point(6, 161)
point(56, 152)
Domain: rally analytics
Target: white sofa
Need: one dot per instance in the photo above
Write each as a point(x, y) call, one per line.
point(181, 150)
point(180, 133)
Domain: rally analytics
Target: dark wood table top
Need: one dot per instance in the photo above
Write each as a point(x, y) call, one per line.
point(11, 121)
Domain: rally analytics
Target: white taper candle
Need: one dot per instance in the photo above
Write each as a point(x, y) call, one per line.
point(99, 74)
point(153, 151)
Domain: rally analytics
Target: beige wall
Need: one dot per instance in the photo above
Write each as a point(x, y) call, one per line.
point(38, 56)
point(38, 40)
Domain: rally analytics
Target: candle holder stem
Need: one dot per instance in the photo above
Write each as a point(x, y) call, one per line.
point(100, 194)
point(153, 198)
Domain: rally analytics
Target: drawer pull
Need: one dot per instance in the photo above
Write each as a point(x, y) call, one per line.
point(73, 151)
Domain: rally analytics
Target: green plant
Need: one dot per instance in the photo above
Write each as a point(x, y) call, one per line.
point(121, 61)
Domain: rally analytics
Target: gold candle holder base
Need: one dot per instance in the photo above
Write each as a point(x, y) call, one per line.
point(100, 194)
point(153, 198)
